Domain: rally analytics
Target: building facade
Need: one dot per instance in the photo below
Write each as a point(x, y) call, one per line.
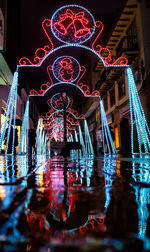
point(130, 37)
point(9, 51)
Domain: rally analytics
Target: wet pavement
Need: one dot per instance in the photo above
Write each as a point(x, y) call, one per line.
point(73, 204)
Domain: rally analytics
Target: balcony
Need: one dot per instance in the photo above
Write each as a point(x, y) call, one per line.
point(128, 45)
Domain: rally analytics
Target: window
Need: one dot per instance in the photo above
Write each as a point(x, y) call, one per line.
point(105, 103)
point(112, 96)
point(121, 88)
point(136, 69)
point(132, 37)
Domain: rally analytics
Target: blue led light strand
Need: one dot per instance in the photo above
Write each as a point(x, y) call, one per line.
point(9, 127)
point(76, 136)
point(137, 118)
point(89, 146)
point(81, 140)
point(106, 132)
point(23, 143)
point(14, 121)
point(39, 140)
point(9, 109)
point(12, 114)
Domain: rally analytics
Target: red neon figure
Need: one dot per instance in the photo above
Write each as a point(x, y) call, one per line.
point(77, 20)
point(66, 69)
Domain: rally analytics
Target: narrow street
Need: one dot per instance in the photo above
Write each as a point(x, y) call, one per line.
point(73, 204)
point(74, 126)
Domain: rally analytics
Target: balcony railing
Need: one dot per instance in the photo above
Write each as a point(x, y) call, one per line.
point(127, 44)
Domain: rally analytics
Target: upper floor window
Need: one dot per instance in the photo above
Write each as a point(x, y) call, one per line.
point(136, 69)
point(105, 103)
point(132, 42)
point(121, 88)
point(112, 96)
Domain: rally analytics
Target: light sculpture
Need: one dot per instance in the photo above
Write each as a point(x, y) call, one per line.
point(10, 114)
point(82, 141)
point(73, 25)
point(88, 142)
point(138, 118)
point(40, 138)
point(57, 101)
point(107, 138)
point(24, 137)
point(66, 69)
point(76, 136)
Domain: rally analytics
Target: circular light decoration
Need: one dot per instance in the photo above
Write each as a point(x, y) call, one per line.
point(72, 24)
point(66, 69)
point(58, 100)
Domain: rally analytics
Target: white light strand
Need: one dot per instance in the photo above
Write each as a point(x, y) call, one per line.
point(138, 117)
point(88, 142)
point(82, 141)
point(9, 108)
point(23, 143)
point(14, 123)
point(106, 132)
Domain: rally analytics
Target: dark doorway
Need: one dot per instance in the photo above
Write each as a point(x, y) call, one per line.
point(125, 133)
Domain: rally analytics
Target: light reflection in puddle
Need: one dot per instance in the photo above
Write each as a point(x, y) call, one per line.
point(73, 200)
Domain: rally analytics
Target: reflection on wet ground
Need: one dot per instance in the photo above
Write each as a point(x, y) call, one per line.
point(72, 204)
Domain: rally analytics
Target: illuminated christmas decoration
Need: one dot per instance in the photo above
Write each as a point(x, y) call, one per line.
point(12, 117)
point(59, 122)
point(82, 141)
point(75, 114)
point(138, 119)
point(40, 53)
point(57, 101)
point(10, 114)
point(88, 143)
point(45, 87)
point(41, 139)
point(66, 69)
point(70, 113)
point(24, 137)
point(107, 138)
point(76, 136)
point(105, 53)
point(72, 24)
